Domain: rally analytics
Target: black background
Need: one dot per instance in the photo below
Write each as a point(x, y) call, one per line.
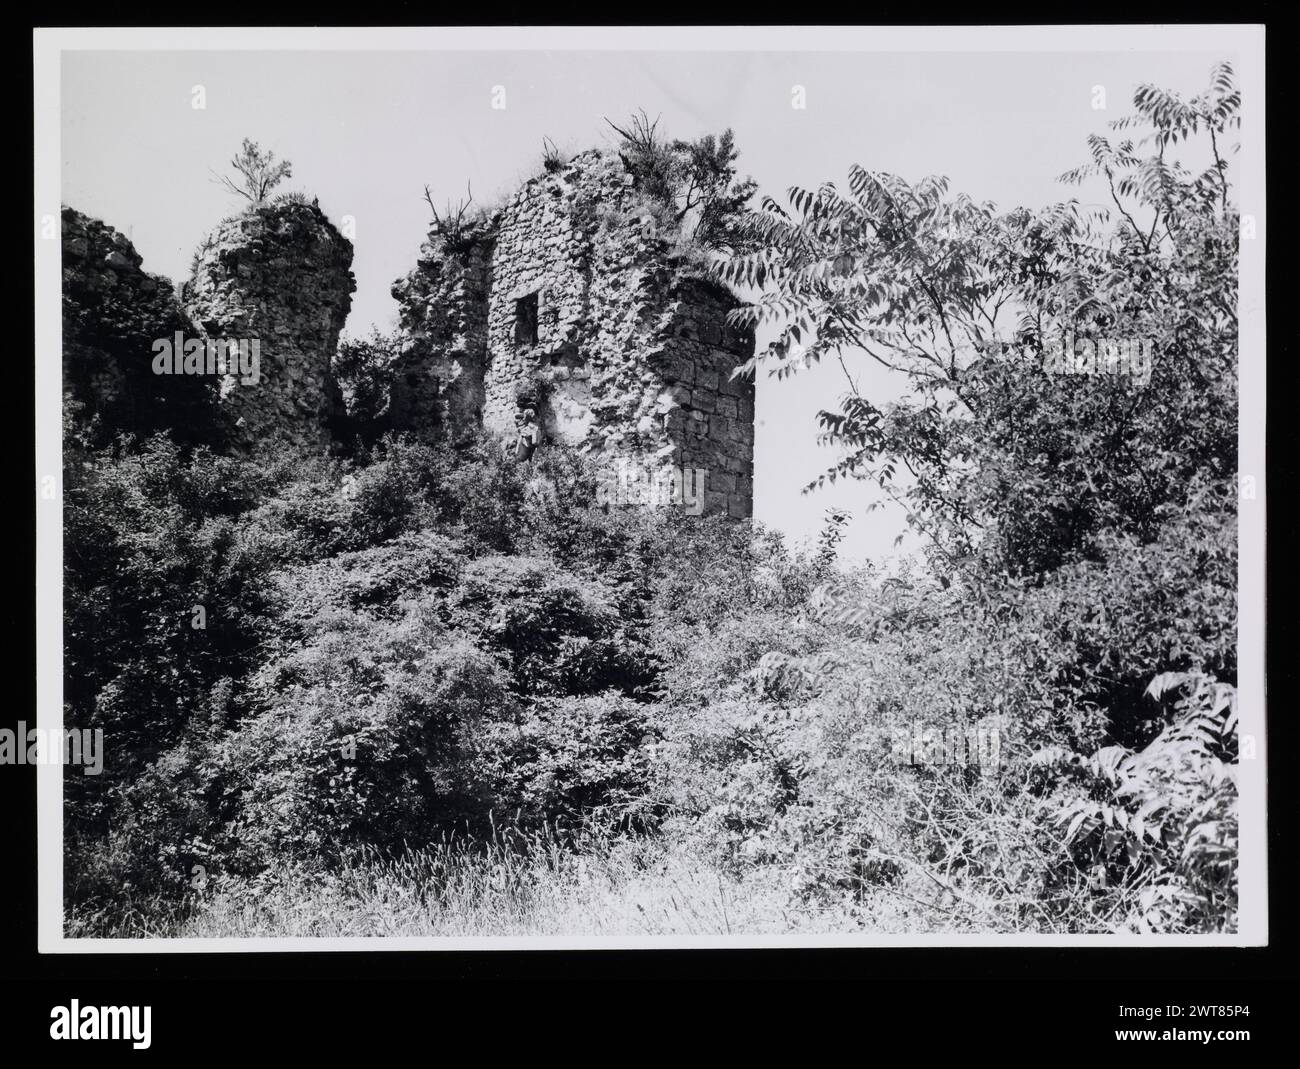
point(895, 1003)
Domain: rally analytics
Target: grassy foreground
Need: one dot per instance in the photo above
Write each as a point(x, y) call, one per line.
point(512, 887)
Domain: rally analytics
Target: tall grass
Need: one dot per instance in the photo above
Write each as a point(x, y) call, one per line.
point(518, 883)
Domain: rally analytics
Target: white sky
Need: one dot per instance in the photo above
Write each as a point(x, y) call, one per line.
point(367, 131)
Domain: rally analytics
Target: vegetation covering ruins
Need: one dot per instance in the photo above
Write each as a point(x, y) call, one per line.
point(413, 682)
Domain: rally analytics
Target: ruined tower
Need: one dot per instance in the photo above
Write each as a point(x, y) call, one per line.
point(568, 317)
point(277, 276)
point(113, 313)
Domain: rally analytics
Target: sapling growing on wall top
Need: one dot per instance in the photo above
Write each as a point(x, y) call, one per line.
point(259, 173)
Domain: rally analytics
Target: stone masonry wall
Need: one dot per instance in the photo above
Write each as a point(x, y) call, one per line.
point(438, 380)
point(563, 317)
point(712, 425)
point(278, 274)
point(629, 357)
point(545, 248)
point(113, 313)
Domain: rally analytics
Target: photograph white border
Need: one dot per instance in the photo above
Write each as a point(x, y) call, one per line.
point(1245, 41)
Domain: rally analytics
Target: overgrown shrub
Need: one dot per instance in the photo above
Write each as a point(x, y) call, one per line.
point(362, 367)
point(585, 761)
point(365, 736)
point(560, 633)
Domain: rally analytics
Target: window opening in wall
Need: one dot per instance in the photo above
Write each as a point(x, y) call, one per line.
point(526, 320)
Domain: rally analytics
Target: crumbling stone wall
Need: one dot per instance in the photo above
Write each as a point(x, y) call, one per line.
point(588, 328)
point(544, 254)
point(280, 275)
point(710, 422)
point(564, 316)
point(113, 313)
point(438, 380)
point(663, 395)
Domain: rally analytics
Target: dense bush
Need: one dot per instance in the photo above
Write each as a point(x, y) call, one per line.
point(558, 633)
point(585, 761)
point(362, 367)
point(366, 736)
point(389, 647)
point(690, 188)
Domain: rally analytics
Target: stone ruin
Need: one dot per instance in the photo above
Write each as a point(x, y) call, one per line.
point(113, 311)
point(275, 279)
point(279, 275)
point(566, 317)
